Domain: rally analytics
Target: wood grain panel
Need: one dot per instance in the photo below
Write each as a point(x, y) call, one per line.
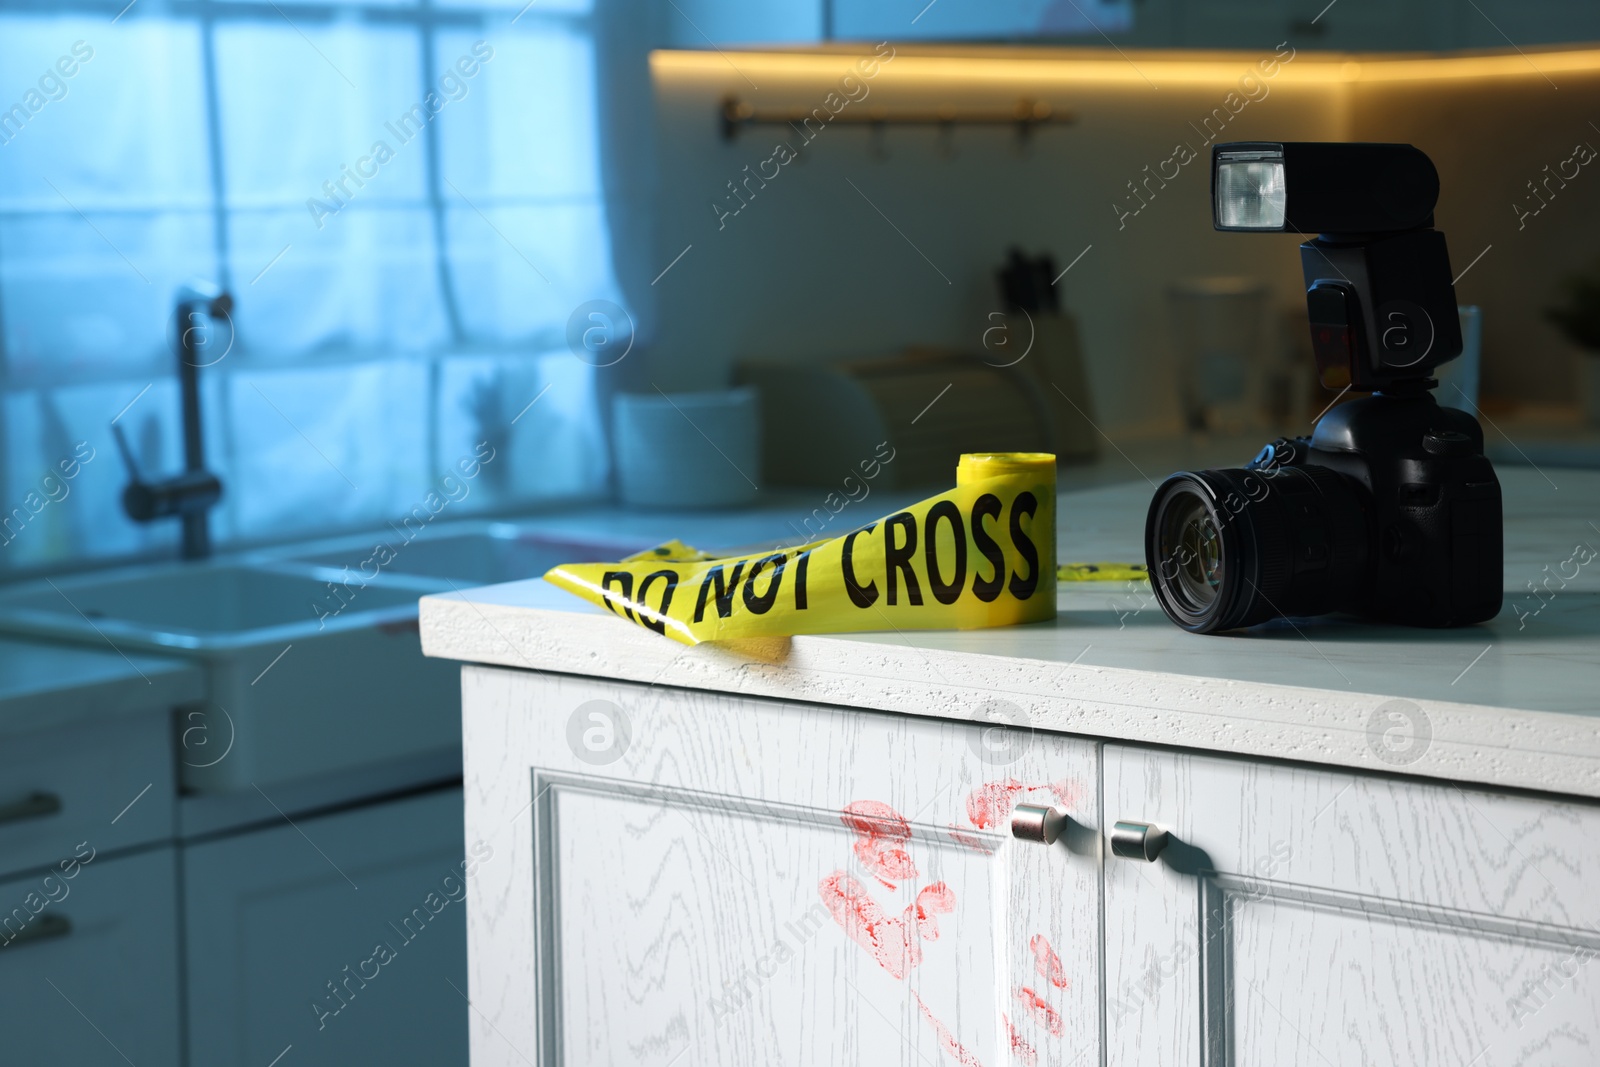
point(1305, 916)
point(706, 897)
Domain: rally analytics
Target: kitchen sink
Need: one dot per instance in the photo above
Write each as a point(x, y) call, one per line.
point(311, 650)
point(204, 606)
point(457, 558)
point(306, 677)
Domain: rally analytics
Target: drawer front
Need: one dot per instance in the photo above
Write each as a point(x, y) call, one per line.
point(109, 783)
point(88, 962)
point(691, 877)
point(1300, 915)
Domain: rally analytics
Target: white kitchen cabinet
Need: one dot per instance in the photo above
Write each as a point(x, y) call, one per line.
point(907, 20)
point(110, 783)
point(1303, 916)
point(660, 855)
point(1492, 23)
point(705, 23)
point(341, 935)
point(661, 827)
point(89, 967)
point(688, 877)
point(1344, 25)
point(1352, 25)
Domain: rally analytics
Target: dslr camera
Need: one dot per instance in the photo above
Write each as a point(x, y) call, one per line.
point(1389, 510)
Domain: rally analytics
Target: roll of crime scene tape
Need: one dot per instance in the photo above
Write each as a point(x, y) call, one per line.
point(982, 554)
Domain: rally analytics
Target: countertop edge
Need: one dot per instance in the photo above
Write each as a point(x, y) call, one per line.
point(1549, 751)
point(51, 708)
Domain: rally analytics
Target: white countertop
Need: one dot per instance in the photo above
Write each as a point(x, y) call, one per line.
point(43, 686)
point(1514, 703)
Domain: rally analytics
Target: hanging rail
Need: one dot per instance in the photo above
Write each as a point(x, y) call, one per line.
point(1025, 117)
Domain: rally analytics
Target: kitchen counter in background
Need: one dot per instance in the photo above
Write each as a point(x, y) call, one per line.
point(47, 686)
point(780, 514)
point(1552, 438)
point(1511, 703)
point(1543, 436)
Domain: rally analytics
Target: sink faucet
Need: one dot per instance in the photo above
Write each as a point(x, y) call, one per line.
point(191, 494)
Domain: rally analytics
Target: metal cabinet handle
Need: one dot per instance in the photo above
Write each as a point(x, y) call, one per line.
point(45, 928)
point(1032, 822)
point(35, 805)
point(1137, 841)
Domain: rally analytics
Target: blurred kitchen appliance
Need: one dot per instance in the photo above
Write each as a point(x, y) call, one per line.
point(687, 450)
point(1054, 359)
point(1023, 388)
point(1218, 329)
point(1589, 388)
point(1023, 118)
point(820, 421)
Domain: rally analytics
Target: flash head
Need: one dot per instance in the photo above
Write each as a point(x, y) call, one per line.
point(1321, 187)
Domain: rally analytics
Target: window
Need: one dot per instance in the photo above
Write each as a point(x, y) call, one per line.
point(403, 197)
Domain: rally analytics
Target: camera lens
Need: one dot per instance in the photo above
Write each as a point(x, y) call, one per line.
point(1189, 536)
point(1230, 548)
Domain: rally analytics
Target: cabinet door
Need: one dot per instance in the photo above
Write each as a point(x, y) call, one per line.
point(1368, 25)
point(690, 877)
point(1305, 917)
point(341, 936)
point(911, 20)
point(1491, 23)
point(89, 963)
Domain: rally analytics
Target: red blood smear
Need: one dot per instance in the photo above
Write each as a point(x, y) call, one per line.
point(1047, 963)
point(947, 1040)
point(1019, 1048)
point(1066, 792)
point(880, 831)
point(894, 943)
point(935, 899)
point(1042, 1013)
point(972, 841)
point(990, 804)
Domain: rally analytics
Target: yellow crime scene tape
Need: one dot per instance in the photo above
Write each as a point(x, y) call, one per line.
point(1102, 572)
point(982, 554)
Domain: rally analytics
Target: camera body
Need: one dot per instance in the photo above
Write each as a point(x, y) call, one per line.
point(1390, 510)
point(1433, 508)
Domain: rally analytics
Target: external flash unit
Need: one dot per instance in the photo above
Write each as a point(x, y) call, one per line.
point(1250, 193)
point(1390, 509)
point(1373, 206)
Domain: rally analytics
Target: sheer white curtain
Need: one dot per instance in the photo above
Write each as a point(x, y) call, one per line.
point(406, 199)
